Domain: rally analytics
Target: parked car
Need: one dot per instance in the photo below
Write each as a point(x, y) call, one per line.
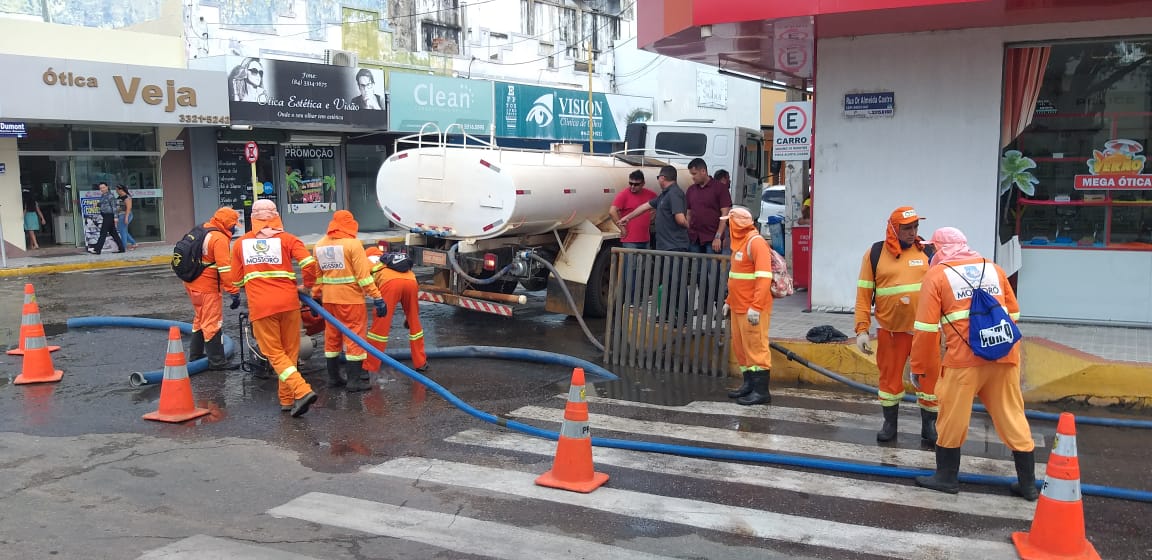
point(771, 203)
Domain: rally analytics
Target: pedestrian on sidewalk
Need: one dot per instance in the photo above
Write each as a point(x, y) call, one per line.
point(635, 234)
point(393, 275)
point(750, 303)
point(33, 218)
point(124, 215)
point(946, 296)
point(205, 291)
point(262, 265)
point(107, 206)
point(890, 275)
point(345, 278)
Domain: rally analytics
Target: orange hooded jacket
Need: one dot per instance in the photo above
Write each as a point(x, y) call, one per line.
point(262, 264)
point(217, 256)
point(345, 271)
point(750, 278)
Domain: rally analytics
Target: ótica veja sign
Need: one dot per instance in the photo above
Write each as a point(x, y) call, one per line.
point(792, 137)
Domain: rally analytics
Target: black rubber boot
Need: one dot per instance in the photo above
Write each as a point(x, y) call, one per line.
point(744, 389)
point(334, 378)
point(947, 477)
point(217, 360)
point(759, 393)
point(891, 417)
point(356, 382)
point(302, 404)
point(927, 426)
point(1025, 487)
point(196, 347)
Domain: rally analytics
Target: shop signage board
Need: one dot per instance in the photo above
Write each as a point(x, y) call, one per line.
point(880, 104)
point(416, 99)
point(38, 88)
point(1119, 166)
point(792, 137)
point(794, 45)
point(90, 210)
point(282, 93)
point(526, 111)
point(13, 129)
point(174, 145)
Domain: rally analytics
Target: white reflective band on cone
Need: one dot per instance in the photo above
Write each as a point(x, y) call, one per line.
point(574, 430)
point(1061, 490)
point(1064, 445)
point(576, 394)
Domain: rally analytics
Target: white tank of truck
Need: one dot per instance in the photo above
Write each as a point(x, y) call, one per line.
point(486, 192)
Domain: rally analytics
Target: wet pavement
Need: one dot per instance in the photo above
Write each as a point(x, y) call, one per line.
point(85, 477)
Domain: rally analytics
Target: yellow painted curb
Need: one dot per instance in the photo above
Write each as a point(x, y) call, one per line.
point(1050, 371)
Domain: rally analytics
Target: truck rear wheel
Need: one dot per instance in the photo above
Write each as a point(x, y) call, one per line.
point(599, 284)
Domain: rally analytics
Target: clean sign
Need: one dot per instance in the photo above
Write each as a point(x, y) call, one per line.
point(792, 138)
point(417, 99)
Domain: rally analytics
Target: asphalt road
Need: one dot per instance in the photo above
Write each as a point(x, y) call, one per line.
point(397, 472)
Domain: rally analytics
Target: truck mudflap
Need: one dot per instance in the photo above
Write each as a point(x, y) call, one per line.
point(468, 303)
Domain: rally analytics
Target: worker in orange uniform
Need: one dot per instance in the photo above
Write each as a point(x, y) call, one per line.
point(750, 302)
point(205, 291)
point(345, 278)
point(890, 275)
point(393, 275)
point(262, 265)
point(946, 296)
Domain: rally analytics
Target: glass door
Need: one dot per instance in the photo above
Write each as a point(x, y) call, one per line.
point(139, 174)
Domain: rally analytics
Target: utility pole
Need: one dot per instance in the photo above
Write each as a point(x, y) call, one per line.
point(591, 127)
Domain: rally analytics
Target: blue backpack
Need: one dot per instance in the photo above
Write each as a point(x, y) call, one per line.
point(989, 325)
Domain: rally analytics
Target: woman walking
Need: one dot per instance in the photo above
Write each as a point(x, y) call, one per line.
point(124, 215)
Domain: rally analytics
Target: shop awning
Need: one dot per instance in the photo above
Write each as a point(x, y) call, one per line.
point(766, 37)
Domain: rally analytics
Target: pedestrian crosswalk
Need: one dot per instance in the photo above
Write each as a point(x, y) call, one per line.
point(487, 504)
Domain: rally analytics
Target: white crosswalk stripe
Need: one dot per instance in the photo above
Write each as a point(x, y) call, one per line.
point(912, 458)
point(822, 417)
point(703, 515)
point(972, 524)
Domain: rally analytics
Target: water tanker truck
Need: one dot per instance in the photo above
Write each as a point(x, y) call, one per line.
point(489, 219)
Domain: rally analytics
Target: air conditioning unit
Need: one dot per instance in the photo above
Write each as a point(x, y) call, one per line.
point(342, 58)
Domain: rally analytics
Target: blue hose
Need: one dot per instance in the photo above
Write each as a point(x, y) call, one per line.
point(522, 354)
point(1030, 414)
point(701, 452)
point(138, 379)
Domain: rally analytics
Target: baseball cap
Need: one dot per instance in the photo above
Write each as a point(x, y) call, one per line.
point(905, 215)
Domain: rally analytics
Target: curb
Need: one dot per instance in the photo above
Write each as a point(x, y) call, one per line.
point(37, 270)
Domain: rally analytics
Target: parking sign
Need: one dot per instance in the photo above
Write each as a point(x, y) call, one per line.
point(792, 137)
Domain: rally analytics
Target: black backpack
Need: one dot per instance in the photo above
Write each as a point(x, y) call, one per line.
point(400, 262)
point(188, 254)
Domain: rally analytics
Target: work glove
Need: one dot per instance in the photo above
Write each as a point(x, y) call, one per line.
point(753, 317)
point(725, 310)
point(381, 308)
point(235, 302)
point(916, 379)
point(862, 341)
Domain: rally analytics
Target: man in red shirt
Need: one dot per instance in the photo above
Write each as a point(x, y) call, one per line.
point(635, 233)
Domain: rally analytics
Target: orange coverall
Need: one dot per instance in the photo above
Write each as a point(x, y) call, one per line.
point(897, 290)
point(750, 287)
point(402, 288)
point(262, 265)
point(205, 291)
point(345, 278)
point(945, 296)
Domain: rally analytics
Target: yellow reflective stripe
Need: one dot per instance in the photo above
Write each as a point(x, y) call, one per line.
point(865, 284)
point(742, 275)
point(336, 280)
point(284, 375)
point(900, 289)
point(267, 274)
point(377, 338)
point(364, 282)
point(763, 274)
point(926, 327)
point(925, 396)
point(1014, 316)
point(416, 336)
point(377, 268)
point(889, 397)
point(331, 354)
point(224, 269)
point(307, 260)
point(956, 315)
point(356, 357)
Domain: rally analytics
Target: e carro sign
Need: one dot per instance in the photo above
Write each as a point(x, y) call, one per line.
point(792, 138)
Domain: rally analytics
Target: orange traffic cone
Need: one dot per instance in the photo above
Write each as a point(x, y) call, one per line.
point(1058, 527)
point(37, 360)
point(28, 316)
point(572, 468)
point(176, 404)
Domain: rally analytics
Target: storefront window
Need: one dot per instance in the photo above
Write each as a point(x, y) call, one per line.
point(138, 174)
point(1076, 130)
point(310, 178)
point(363, 166)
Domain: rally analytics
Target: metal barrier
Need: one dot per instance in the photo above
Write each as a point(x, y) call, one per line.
point(664, 311)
